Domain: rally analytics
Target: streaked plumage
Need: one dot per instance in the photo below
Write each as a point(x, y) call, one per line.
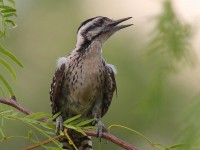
point(83, 82)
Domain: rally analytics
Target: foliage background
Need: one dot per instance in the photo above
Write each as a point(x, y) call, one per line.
point(163, 106)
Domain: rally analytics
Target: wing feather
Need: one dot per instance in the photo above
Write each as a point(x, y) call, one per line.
point(109, 89)
point(56, 88)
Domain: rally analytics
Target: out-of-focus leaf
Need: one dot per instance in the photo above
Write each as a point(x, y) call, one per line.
point(5, 7)
point(9, 15)
point(30, 134)
point(177, 146)
point(11, 22)
point(7, 85)
point(10, 55)
point(8, 67)
point(12, 1)
point(2, 133)
point(8, 10)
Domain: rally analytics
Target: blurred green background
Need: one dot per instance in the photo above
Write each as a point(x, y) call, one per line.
point(158, 91)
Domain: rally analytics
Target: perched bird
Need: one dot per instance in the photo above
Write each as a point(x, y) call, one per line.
point(83, 82)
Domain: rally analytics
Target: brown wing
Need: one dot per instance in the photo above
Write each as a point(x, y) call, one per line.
point(109, 88)
point(56, 87)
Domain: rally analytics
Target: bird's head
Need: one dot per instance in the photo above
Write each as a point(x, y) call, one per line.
point(98, 29)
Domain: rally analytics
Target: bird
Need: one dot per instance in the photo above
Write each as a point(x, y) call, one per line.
point(83, 82)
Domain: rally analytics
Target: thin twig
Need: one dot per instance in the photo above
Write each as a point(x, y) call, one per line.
point(105, 135)
point(43, 143)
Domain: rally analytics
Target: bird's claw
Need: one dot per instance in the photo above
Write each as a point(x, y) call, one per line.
point(59, 124)
point(100, 128)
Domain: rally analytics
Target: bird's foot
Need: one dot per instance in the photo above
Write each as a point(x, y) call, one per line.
point(100, 128)
point(59, 124)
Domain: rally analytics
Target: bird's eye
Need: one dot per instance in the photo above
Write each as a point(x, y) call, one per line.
point(99, 22)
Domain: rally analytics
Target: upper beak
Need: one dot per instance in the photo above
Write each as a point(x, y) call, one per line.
point(114, 23)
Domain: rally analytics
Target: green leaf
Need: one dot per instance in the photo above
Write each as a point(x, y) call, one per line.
point(86, 122)
point(10, 55)
point(11, 22)
point(176, 146)
point(81, 131)
point(7, 85)
point(70, 126)
point(8, 67)
point(12, 1)
point(32, 121)
point(72, 119)
point(30, 134)
point(48, 126)
point(75, 122)
point(5, 7)
point(6, 111)
point(54, 117)
point(90, 128)
point(2, 133)
point(9, 14)
point(8, 10)
point(37, 115)
point(15, 114)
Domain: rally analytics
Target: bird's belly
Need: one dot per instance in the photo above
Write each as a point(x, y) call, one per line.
point(84, 92)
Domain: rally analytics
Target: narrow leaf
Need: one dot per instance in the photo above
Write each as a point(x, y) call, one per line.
point(11, 22)
point(30, 134)
point(7, 85)
point(9, 14)
point(10, 55)
point(8, 10)
point(14, 114)
point(72, 119)
point(12, 1)
point(2, 133)
point(81, 131)
point(54, 117)
point(70, 126)
point(48, 126)
point(37, 115)
point(5, 7)
point(86, 122)
point(90, 128)
point(176, 146)
point(8, 67)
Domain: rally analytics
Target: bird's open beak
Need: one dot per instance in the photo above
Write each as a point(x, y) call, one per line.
point(114, 23)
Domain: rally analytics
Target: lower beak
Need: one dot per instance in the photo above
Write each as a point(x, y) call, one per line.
point(114, 23)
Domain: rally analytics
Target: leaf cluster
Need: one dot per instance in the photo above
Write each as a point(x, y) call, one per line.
point(43, 124)
point(6, 22)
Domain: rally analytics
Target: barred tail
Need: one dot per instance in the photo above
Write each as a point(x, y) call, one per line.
point(80, 141)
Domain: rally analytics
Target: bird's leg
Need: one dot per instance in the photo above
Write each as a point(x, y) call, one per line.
point(59, 124)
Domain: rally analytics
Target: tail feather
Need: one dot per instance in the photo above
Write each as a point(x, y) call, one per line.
point(81, 141)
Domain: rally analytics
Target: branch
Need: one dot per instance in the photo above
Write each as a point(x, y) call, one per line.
point(105, 135)
point(16, 105)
